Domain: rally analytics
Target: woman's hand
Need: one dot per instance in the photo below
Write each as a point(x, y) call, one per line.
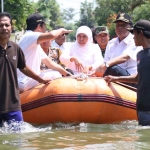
point(87, 69)
point(78, 64)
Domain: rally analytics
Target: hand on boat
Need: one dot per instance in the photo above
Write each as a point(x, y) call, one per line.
point(95, 73)
point(110, 78)
point(69, 74)
point(44, 81)
point(101, 69)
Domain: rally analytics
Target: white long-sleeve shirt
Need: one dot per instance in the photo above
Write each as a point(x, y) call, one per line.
point(126, 46)
point(92, 57)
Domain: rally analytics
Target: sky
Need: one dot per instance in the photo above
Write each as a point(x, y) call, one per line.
point(73, 4)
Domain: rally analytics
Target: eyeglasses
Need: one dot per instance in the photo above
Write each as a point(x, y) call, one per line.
point(65, 34)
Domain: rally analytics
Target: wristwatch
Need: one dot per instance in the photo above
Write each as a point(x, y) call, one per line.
point(106, 64)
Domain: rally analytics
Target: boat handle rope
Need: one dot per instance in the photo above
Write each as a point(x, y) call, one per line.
point(80, 77)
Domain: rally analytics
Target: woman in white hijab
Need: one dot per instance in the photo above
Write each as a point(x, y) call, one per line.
point(83, 56)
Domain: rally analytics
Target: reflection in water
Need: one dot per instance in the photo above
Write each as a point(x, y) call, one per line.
point(124, 136)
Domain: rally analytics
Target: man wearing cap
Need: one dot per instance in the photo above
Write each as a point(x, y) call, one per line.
point(102, 37)
point(34, 55)
point(141, 31)
point(60, 41)
point(120, 55)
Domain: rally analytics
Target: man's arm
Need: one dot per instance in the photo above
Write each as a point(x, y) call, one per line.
point(117, 60)
point(51, 35)
point(52, 65)
point(28, 72)
point(128, 79)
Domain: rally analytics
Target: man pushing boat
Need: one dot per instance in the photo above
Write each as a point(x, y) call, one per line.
point(11, 58)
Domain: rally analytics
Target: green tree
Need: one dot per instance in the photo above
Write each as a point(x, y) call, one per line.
point(107, 8)
point(19, 9)
point(71, 26)
point(50, 11)
point(142, 12)
point(68, 22)
point(87, 15)
point(68, 15)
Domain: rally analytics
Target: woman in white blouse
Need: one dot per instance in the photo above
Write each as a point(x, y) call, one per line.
point(83, 56)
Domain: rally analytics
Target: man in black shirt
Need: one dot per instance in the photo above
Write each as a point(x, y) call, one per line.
point(11, 58)
point(141, 31)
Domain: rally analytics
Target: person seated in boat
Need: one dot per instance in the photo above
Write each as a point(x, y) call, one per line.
point(54, 54)
point(101, 37)
point(141, 31)
point(34, 55)
point(60, 41)
point(83, 56)
point(120, 55)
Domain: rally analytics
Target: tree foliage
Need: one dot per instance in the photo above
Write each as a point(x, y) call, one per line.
point(141, 12)
point(68, 15)
point(107, 9)
point(87, 15)
point(104, 13)
point(19, 9)
point(50, 11)
point(71, 36)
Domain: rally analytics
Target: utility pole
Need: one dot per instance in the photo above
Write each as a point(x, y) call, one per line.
point(2, 6)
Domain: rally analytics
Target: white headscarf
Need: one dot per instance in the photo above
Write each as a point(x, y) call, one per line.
point(87, 47)
point(88, 55)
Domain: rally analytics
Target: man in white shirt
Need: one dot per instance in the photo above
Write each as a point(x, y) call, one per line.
point(60, 41)
point(34, 55)
point(120, 55)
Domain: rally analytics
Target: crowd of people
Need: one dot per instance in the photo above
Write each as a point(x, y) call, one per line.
point(41, 56)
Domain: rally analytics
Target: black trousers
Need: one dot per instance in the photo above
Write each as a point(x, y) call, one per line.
point(118, 71)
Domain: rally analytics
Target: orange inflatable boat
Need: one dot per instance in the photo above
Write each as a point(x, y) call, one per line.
point(70, 100)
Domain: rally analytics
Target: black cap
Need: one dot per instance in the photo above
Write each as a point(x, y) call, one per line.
point(34, 19)
point(123, 17)
point(143, 25)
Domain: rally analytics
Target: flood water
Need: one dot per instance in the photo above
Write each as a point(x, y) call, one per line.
point(126, 135)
